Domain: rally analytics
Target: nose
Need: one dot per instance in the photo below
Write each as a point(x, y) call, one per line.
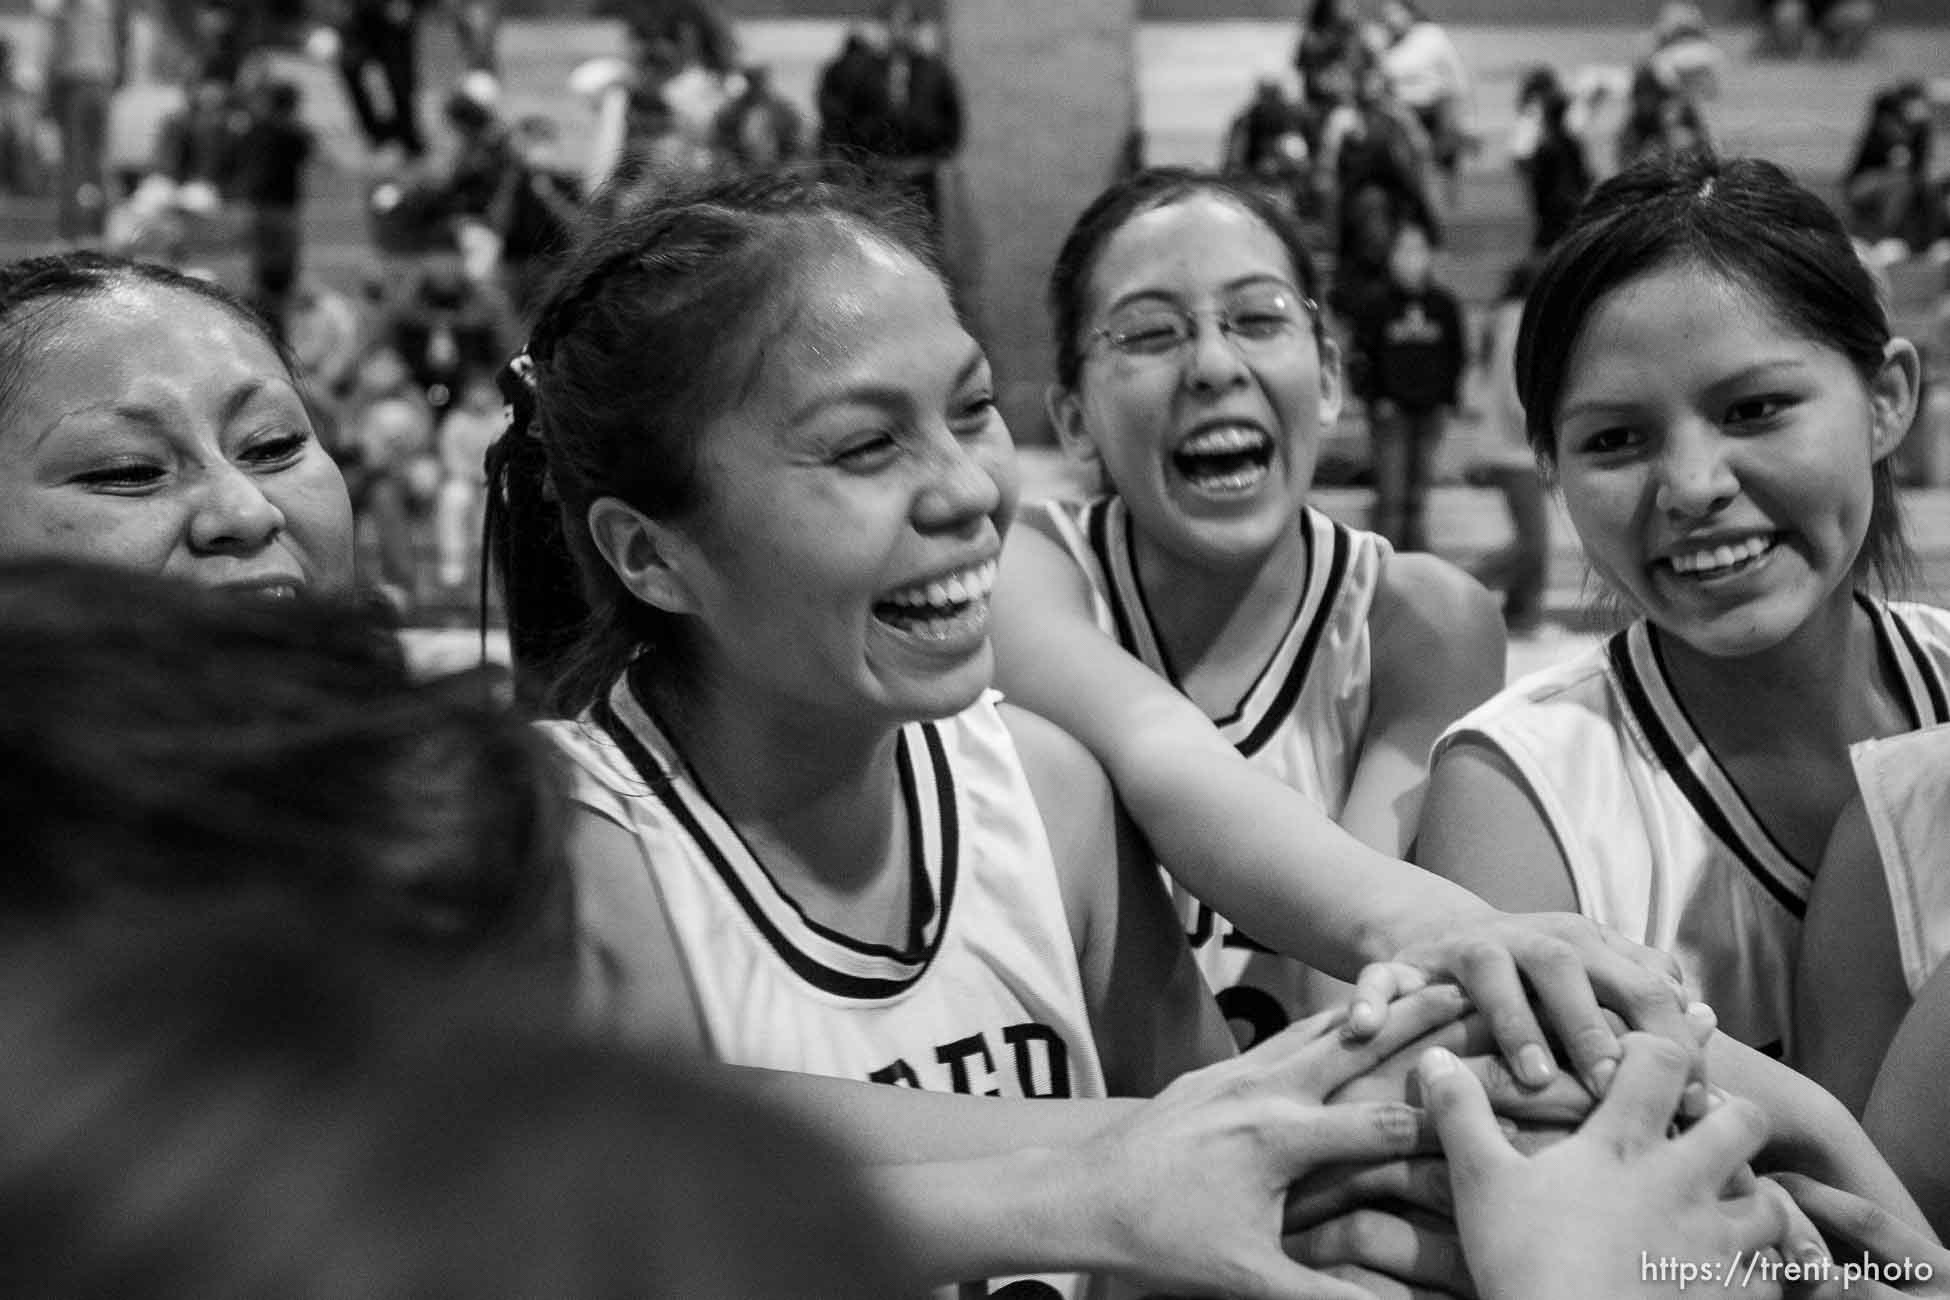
point(1214, 363)
point(1695, 479)
point(232, 515)
point(965, 486)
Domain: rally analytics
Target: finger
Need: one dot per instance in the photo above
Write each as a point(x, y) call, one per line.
point(1562, 1101)
point(1644, 1095)
point(1488, 972)
point(1280, 1278)
point(1800, 1239)
point(1416, 1250)
point(1363, 1130)
point(1463, 1119)
point(1332, 1061)
point(1866, 1227)
point(1639, 988)
point(1326, 1193)
point(1379, 984)
point(1716, 1149)
point(1379, 1286)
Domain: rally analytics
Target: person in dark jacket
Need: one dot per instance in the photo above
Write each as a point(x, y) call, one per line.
point(1409, 353)
point(384, 34)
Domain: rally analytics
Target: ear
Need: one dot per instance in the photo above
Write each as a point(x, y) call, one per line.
point(649, 558)
point(1332, 389)
point(1066, 417)
point(1893, 393)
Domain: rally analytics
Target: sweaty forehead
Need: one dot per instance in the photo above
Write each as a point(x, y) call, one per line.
point(1197, 242)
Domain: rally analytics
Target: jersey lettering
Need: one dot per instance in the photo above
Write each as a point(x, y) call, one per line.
point(1037, 1054)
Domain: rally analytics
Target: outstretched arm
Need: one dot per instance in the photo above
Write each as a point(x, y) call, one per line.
point(1253, 847)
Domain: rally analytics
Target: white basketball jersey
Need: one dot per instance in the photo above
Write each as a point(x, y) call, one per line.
point(1660, 843)
point(1302, 720)
point(985, 996)
point(1905, 783)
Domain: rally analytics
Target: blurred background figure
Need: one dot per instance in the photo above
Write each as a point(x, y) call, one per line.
point(1683, 52)
point(1327, 54)
point(759, 127)
point(1894, 205)
point(273, 153)
point(381, 39)
point(466, 431)
point(1273, 141)
point(1838, 29)
point(1661, 120)
point(1504, 462)
point(898, 108)
point(1550, 157)
point(1426, 73)
point(87, 60)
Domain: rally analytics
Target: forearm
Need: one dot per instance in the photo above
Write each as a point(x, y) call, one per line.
point(886, 1125)
point(1026, 1211)
point(1812, 1132)
point(1310, 888)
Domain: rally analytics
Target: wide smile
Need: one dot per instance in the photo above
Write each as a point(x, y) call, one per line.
point(1719, 563)
point(945, 612)
point(1225, 461)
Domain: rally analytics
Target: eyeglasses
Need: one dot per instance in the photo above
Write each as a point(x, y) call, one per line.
point(1258, 322)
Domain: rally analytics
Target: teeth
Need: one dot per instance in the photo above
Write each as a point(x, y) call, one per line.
point(956, 589)
point(1224, 440)
point(1721, 557)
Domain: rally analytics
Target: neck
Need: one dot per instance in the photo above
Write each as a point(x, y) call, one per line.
point(821, 792)
point(1195, 603)
point(1824, 676)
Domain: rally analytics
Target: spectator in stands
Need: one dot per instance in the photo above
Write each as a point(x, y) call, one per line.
point(1661, 120)
point(445, 325)
point(1273, 141)
point(1377, 156)
point(1327, 54)
point(1426, 73)
point(1506, 463)
point(477, 29)
point(908, 116)
point(383, 35)
point(844, 85)
point(1892, 202)
point(272, 157)
point(199, 144)
point(1551, 159)
point(1837, 28)
point(759, 127)
point(394, 474)
point(87, 60)
point(21, 169)
point(1406, 363)
point(467, 430)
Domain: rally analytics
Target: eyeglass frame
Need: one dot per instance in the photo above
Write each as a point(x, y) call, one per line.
point(1190, 318)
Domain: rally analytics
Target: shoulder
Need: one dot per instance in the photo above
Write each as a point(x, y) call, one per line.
point(1060, 771)
point(1428, 602)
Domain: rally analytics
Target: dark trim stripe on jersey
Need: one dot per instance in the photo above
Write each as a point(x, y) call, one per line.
point(1270, 699)
point(849, 967)
point(1690, 762)
point(1639, 666)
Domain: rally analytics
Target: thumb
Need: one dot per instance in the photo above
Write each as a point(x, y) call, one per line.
point(1463, 1119)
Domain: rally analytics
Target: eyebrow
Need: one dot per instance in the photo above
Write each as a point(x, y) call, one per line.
point(1230, 286)
point(1760, 371)
point(150, 417)
point(881, 395)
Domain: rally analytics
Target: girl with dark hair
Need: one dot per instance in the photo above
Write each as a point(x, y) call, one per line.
point(1321, 657)
point(1708, 375)
point(152, 421)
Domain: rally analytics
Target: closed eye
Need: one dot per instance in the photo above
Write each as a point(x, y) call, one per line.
point(278, 449)
point(867, 451)
point(124, 476)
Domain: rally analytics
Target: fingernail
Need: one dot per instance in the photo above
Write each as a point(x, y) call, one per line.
point(1715, 1098)
point(1601, 1075)
point(1438, 1062)
point(1813, 1258)
point(1695, 1101)
point(1534, 1064)
point(1361, 1017)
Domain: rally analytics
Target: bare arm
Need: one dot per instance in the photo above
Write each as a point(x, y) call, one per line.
point(1253, 847)
point(1152, 1014)
point(1438, 652)
point(1849, 991)
point(1482, 829)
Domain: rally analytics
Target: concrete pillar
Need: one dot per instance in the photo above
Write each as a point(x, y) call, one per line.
point(1049, 90)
